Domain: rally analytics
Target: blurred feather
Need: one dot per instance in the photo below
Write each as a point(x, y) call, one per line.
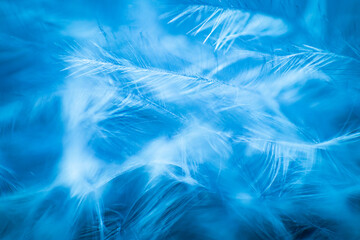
point(182, 119)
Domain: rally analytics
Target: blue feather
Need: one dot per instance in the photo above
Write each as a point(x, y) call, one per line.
point(188, 119)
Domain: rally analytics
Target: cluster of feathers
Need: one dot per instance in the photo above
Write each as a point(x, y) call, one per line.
point(187, 119)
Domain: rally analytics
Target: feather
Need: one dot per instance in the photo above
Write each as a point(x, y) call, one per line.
point(189, 119)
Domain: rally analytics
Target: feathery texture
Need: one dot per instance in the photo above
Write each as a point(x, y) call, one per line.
point(191, 119)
